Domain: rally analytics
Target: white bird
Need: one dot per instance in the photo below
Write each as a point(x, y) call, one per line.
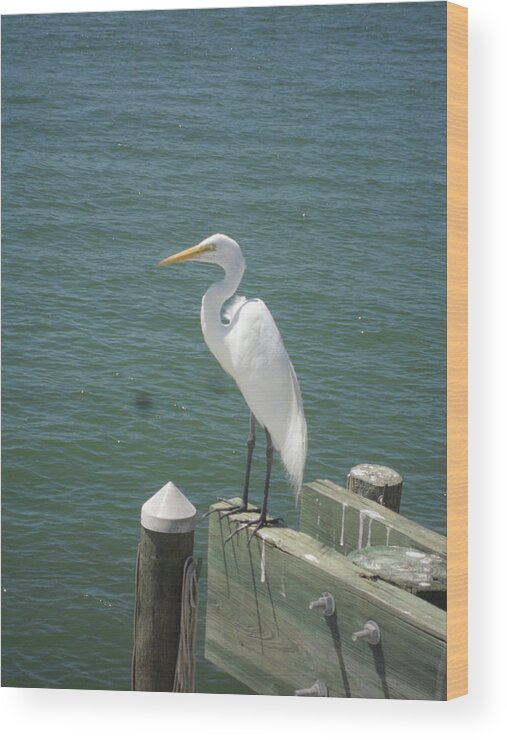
point(249, 347)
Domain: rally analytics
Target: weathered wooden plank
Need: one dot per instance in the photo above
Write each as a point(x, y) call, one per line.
point(259, 627)
point(344, 521)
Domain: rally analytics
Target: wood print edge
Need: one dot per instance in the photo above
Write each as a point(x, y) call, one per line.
point(457, 329)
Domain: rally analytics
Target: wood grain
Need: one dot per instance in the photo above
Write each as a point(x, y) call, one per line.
point(457, 381)
point(158, 608)
point(378, 483)
point(259, 627)
point(340, 519)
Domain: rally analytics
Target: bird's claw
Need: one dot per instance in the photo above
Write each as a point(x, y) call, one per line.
point(259, 523)
point(213, 511)
point(233, 509)
point(238, 509)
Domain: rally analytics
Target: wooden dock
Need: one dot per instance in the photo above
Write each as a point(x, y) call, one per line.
point(260, 629)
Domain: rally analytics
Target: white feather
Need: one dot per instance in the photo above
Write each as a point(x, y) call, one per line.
point(259, 363)
point(232, 306)
point(249, 347)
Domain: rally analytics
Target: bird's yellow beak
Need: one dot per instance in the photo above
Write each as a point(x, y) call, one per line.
point(188, 254)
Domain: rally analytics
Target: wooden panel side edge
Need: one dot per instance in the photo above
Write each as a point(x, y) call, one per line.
point(457, 381)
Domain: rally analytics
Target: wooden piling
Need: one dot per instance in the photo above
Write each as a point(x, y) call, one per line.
point(377, 483)
point(421, 573)
point(260, 627)
point(166, 541)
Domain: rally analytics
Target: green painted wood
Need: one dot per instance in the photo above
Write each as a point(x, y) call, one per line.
point(344, 521)
point(259, 627)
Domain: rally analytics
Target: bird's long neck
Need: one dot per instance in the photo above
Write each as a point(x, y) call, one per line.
point(213, 328)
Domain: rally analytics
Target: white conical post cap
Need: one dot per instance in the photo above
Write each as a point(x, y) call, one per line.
point(168, 511)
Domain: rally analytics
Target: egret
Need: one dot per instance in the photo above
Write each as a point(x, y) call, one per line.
point(250, 349)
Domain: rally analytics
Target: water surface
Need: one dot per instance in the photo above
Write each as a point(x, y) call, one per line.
point(315, 137)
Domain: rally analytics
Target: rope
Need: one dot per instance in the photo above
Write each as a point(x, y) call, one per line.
point(184, 677)
point(136, 606)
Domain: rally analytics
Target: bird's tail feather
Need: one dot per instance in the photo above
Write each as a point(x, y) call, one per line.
point(293, 455)
point(293, 450)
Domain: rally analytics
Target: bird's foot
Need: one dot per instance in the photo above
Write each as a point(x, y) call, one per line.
point(257, 524)
point(217, 511)
point(233, 509)
point(237, 509)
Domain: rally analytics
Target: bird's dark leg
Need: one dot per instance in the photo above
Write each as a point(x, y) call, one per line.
point(269, 462)
point(250, 448)
point(244, 503)
point(262, 520)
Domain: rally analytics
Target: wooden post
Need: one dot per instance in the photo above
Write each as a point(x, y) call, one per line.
point(167, 540)
point(260, 627)
point(377, 483)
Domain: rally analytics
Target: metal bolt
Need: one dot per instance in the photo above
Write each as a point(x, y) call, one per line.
point(319, 688)
point(370, 633)
point(325, 604)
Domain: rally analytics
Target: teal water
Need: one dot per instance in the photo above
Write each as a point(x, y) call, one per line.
point(314, 136)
